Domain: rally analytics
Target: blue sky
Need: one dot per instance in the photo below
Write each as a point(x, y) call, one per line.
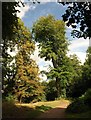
point(42, 10)
point(38, 10)
point(32, 12)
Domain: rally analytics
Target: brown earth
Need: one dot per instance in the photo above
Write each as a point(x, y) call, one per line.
point(58, 112)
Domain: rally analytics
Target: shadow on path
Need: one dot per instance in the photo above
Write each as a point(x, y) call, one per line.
point(57, 112)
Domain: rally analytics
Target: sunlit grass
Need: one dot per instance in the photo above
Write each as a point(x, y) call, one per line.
point(52, 104)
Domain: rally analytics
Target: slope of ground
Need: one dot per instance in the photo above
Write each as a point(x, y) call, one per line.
point(58, 112)
point(34, 110)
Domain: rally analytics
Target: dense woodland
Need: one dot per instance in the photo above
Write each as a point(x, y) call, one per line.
point(68, 78)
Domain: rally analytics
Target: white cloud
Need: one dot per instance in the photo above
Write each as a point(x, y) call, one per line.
point(43, 65)
point(24, 9)
point(78, 47)
point(78, 43)
point(81, 55)
point(35, 55)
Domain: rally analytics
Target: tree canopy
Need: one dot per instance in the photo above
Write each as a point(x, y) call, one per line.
point(50, 33)
point(79, 14)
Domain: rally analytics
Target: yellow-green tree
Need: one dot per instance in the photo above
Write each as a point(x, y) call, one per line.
point(27, 75)
point(26, 87)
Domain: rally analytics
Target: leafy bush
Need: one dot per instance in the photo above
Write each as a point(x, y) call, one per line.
point(82, 104)
point(77, 106)
point(10, 98)
point(87, 97)
point(43, 108)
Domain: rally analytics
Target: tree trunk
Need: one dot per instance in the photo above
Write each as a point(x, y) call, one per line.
point(58, 86)
point(57, 79)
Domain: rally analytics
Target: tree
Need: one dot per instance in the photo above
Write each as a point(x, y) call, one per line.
point(81, 77)
point(87, 70)
point(26, 85)
point(79, 13)
point(74, 86)
point(9, 20)
point(50, 90)
point(50, 33)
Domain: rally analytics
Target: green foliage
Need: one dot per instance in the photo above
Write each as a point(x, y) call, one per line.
point(87, 69)
point(81, 88)
point(43, 108)
point(73, 88)
point(81, 104)
point(50, 90)
point(22, 77)
point(50, 33)
point(9, 19)
point(79, 13)
point(84, 78)
point(10, 98)
point(77, 106)
point(87, 97)
point(27, 78)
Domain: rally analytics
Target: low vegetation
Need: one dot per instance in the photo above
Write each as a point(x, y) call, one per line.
point(81, 107)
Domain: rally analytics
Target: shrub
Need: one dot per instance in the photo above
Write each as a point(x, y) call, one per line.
point(78, 106)
point(87, 97)
point(82, 104)
point(10, 98)
point(43, 108)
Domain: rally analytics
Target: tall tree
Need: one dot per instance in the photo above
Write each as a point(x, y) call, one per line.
point(83, 81)
point(87, 69)
point(75, 69)
point(26, 86)
point(9, 20)
point(50, 33)
point(79, 13)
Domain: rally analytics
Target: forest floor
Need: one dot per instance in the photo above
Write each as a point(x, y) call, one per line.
point(51, 109)
point(57, 112)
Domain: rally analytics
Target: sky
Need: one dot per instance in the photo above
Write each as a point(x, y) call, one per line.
point(31, 12)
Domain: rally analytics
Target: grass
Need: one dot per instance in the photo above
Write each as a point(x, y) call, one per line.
point(32, 110)
point(52, 104)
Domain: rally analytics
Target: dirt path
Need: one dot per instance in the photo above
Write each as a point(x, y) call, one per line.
point(58, 112)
